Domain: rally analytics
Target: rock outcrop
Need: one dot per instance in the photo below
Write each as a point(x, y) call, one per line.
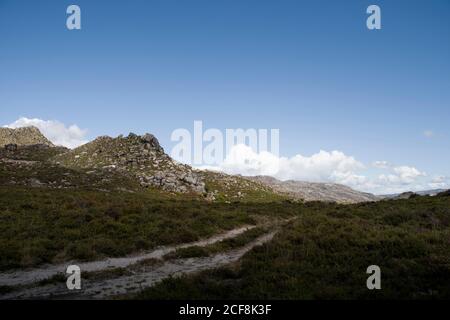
point(139, 156)
point(22, 137)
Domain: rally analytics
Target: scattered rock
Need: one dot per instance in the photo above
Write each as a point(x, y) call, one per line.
point(33, 182)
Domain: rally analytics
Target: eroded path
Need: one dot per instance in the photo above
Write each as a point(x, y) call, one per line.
point(24, 277)
point(143, 278)
point(138, 275)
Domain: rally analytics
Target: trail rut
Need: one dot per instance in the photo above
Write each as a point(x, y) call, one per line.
point(25, 277)
point(102, 289)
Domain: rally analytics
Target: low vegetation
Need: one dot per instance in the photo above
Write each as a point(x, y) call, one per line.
point(41, 225)
point(324, 254)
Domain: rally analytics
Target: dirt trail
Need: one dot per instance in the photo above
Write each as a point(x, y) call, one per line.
point(147, 277)
point(26, 277)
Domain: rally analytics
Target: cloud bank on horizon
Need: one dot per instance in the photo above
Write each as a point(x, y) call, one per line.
point(330, 167)
point(324, 166)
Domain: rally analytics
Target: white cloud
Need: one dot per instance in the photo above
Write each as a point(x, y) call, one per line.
point(400, 177)
point(428, 133)
point(323, 166)
point(243, 160)
point(408, 174)
point(57, 132)
point(381, 164)
point(331, 167)
point(440, 182)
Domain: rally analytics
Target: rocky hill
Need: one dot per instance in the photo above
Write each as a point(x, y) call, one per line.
point(22, 137)
point(309, 191)
point(129, 164)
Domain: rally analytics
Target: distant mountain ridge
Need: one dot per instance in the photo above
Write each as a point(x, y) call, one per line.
point(409, 194)
point(314, 191)
point(23, 137)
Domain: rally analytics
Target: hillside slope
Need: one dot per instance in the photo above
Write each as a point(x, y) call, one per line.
point(310, 191)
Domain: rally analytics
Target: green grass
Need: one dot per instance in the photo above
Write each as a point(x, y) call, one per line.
point(41, 225)
point(324, 254)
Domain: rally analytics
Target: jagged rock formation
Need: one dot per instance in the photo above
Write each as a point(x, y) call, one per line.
point(22, 137)
point(139, 156)
point(309, 191)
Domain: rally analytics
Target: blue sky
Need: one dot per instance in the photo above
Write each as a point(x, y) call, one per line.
point(310, 68)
